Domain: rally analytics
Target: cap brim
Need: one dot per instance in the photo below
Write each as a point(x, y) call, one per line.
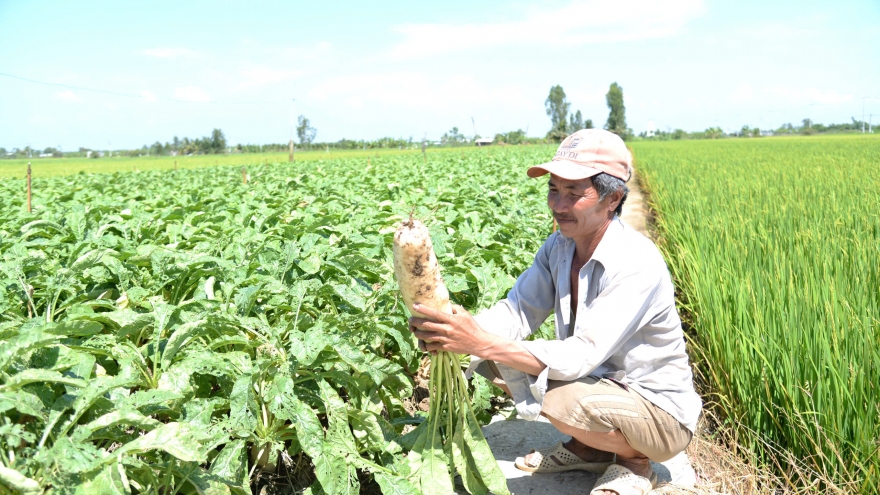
point(565, 169)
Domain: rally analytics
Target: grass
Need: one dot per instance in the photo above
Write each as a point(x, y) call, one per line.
point(775, 247)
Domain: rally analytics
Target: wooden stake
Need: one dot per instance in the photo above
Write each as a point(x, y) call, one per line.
point(29, 187)
point(290, 155)
point(244, 178)
point(175, 165)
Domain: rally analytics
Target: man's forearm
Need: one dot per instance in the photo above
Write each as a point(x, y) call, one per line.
point(512, 353)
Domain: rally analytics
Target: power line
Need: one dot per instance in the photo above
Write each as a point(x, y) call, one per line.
point(140, 97)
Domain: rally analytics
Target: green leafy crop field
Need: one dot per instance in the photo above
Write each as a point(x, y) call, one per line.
point(180, 329)
point(53, 167)
point(775, 248)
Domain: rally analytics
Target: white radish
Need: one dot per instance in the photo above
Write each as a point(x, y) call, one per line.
point(450, 437)
point(417, 270)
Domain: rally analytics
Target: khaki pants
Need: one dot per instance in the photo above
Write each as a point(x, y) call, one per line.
point(601, 405)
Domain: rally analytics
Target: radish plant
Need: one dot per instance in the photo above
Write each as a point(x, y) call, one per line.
point(181, 332)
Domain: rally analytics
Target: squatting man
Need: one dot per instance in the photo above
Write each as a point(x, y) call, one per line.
point(616, 378)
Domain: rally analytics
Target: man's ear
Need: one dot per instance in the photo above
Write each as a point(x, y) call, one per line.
point(614, 199)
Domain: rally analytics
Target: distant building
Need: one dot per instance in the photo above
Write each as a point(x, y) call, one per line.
point(483, 142)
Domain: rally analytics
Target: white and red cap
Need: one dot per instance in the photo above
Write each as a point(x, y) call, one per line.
point(586, 153)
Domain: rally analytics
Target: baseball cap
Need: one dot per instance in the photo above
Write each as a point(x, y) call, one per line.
point(586, 153)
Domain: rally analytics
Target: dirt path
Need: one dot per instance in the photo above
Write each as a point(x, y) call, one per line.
point(635, 209)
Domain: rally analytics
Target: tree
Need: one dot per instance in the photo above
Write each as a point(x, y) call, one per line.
point(807, 128)
point(713, 133)
point(588, 124)
point(512, 137)
point(453, 137)
point(576, 123)
point(557, 107)
point(305, 132)
point(617, 112)
point(218, 141)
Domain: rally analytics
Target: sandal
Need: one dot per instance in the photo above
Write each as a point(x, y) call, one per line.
point(622, 481)
point(556, 460)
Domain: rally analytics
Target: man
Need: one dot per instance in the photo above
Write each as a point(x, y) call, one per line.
point(616, 378)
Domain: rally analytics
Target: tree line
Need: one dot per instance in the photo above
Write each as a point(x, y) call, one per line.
point(557, 106)
point(807, 127)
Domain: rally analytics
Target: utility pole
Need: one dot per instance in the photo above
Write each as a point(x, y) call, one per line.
point(29, 187)
point(291, 158)
point(424, 145)
point(863, 115)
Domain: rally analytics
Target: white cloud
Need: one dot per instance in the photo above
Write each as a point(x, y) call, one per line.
point(148, 95)
point(191, 93)
point(169, 52)
point(413, 89)
point(67, 95)
point(581, 22)
point(264, 76)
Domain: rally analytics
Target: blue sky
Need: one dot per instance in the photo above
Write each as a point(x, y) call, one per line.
point(357, 70)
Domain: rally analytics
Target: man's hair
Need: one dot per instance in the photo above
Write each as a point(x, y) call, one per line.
point(606, 184)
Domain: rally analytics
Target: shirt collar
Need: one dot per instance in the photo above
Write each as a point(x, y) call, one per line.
point(608, 251)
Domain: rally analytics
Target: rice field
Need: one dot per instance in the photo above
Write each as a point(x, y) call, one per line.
point(774, 246)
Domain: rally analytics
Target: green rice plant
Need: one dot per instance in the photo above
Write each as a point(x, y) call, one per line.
point(774, 245)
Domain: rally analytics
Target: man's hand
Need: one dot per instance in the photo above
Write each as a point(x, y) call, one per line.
point(458, 332)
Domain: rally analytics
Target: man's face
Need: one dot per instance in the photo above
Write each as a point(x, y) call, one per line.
point(576, 206)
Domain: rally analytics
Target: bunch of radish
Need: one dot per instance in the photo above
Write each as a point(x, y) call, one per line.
point(450, 440)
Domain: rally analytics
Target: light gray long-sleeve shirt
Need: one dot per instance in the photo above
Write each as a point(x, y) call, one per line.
point(626, 327)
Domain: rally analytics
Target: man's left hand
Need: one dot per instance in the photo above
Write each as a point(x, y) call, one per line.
point(457, 332)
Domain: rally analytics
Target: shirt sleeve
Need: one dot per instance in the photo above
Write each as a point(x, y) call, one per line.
point(529, 302)
point(619, 311)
